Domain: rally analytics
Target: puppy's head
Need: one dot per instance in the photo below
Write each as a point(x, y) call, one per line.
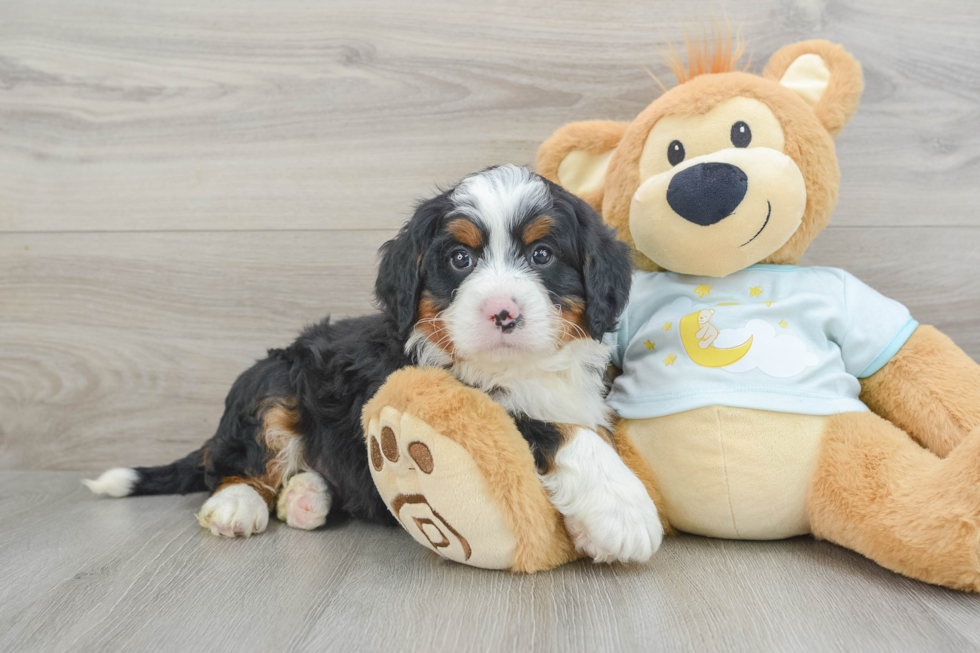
point(504, 265)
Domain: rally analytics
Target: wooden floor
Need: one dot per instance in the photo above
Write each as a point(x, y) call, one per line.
point(85, 574)
point(184, 184)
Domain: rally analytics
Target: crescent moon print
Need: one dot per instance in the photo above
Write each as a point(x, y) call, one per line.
point(694, 335)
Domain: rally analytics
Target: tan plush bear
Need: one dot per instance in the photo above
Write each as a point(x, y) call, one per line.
point(765, 432)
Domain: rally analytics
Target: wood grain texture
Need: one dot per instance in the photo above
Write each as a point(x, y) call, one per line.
point(82, 573)
point(121, 347)
point(192, 115)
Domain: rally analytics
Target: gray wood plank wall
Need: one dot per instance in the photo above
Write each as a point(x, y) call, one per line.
point(184, 184)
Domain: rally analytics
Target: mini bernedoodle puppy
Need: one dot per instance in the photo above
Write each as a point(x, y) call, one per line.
point(506, 280)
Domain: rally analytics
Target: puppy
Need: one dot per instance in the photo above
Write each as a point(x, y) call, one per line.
point(506, 280)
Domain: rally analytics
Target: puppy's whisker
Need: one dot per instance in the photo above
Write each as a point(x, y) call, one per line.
point(565, 323)
point(578, 330)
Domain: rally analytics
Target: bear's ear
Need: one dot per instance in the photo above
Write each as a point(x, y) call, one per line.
point(577, 156)
point(825, 75)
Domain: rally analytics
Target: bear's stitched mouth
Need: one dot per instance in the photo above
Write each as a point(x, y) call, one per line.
point(768, 215)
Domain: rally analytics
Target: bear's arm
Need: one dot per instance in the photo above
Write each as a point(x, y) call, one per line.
point(930, 389)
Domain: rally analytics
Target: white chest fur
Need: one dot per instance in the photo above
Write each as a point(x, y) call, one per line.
point(565, 386)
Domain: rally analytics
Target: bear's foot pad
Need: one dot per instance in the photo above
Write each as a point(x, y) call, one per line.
point(437, 492)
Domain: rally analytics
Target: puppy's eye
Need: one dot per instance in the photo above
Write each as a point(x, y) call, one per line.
point(461, 260)
point(542, 256)
point(741, 134)
point(675, 152)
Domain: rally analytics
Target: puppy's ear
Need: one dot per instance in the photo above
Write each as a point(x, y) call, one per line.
point(400, 269)
point(577, 157)
point(825, 75)
point(607, 270)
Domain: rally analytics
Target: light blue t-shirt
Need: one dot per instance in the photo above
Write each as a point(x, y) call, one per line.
point(772, 337)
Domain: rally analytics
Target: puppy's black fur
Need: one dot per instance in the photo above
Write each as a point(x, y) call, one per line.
point(327, 375)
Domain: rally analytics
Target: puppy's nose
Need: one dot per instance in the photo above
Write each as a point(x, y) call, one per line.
point(707, 193)
point(504, 313)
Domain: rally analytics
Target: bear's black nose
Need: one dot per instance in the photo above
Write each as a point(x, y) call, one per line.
point(707, 193)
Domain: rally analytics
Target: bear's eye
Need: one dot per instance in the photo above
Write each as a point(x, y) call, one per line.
point(741, 134)
point(675, 152)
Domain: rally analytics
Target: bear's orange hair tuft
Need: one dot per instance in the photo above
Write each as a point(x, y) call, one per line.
point(707, 55)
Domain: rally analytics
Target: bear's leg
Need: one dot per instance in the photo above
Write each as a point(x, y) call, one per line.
point(454, 470)
point(877, 492)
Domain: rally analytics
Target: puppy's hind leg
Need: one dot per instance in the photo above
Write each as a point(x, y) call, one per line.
point(250, 458)
point(304, 501)
point(237, 509)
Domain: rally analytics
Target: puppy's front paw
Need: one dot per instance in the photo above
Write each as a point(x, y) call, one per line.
point(608, 513)
point(234, 511)
point(620, 531)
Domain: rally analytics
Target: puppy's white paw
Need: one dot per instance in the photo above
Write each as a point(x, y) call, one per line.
point(235, 511)
point(304, 502)
point(627, 529)
point(607, 510)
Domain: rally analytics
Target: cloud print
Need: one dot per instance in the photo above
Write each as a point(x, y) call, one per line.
point(778, 356)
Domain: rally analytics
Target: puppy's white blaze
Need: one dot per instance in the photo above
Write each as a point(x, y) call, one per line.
point(498, 197)
point(607, 509)
point(235, 510)
point(118, 482)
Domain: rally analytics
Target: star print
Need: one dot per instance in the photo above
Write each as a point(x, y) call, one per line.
point(768, 304)
point(650, 345)
point(755, 291)
point(669, 360)
point(667, 326)
point(703, 290)
point(783, 324)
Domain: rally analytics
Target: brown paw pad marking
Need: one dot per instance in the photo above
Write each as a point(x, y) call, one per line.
point(429, 522)
point(418, 451)
point(376, 461)
point(389, 446)
point(422, 456)
point(412, 509)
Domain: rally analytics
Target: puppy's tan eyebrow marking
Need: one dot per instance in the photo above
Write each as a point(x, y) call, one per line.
point(466, 232)
point(538, 229)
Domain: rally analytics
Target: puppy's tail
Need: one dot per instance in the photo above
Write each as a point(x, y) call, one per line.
point(179, 477)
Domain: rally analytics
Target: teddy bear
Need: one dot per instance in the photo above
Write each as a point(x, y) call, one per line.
point(818, 406)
